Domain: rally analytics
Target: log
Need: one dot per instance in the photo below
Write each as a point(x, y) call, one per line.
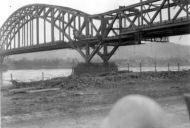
point(20, 90)
point(42, 90)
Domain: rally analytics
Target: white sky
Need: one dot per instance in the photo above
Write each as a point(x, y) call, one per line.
point(7, 7)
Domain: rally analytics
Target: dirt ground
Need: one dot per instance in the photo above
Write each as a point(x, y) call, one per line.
point(74, 107)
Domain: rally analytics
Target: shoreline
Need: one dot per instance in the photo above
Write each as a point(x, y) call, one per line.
point(126, 72)
point(137, 73)
point(119, 66)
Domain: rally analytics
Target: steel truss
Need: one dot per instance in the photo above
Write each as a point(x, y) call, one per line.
point(90, 35)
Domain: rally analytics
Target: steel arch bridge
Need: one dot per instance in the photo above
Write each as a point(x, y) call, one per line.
point(41, 27)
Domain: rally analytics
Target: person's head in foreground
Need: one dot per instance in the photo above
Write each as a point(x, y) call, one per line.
point(135, 111)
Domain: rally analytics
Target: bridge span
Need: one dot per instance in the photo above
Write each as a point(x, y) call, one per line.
point(41, 27)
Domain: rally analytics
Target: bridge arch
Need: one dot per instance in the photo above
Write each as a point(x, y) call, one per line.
point(92, 34)
point(31, 12)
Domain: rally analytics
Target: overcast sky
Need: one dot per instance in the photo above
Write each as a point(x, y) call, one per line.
point(7, 7)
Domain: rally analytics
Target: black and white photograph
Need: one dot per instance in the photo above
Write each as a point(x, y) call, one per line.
point(95, 63)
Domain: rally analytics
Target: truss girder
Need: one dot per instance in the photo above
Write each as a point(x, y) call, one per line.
point(77, 29)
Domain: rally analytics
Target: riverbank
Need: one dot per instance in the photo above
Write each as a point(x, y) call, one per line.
point(74, 97)
point(103, 80)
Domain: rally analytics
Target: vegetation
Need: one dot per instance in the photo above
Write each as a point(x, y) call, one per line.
point(69, 63)
point(38, 64)
point(94, 68)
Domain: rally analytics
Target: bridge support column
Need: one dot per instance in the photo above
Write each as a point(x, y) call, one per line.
point(87, 50)
point(86, 53)
point(91, 51)
point(105, 56)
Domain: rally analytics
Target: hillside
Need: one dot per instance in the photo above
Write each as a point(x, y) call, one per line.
point(152, 50)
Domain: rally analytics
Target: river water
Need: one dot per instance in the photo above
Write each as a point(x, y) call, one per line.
point(39, 74)
point(32, 75)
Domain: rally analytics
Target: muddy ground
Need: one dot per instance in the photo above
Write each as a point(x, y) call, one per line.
point(83, 102)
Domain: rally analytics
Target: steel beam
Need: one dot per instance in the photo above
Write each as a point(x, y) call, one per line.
point(63, 27)
point(19, 36)
point(27, 32)
point(94, 52)
point(169, 14)
point(52, 25)
point(37, 31)
point(44, 30)
point(110, 26)
point(160, 8)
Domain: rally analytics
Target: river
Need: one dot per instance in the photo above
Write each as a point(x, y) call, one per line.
point(32, 75)
point(39, 74)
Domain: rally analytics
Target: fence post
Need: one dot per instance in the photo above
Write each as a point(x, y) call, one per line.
point(42, 76)
point(168, 67)
point(178, 67)
point(155, 67)
point(128, 67)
